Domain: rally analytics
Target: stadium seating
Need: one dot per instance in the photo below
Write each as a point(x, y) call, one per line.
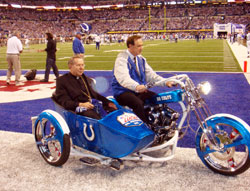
point(33, 23)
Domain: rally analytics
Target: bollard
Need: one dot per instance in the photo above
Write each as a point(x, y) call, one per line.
point(245, 66)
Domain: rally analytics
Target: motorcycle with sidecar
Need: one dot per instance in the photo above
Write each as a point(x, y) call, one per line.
point(222, 140)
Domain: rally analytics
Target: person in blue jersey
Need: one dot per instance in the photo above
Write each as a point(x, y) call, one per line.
point(77, 46)
point(130, 75)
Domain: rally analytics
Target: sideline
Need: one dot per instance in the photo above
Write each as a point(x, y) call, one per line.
point(240, 53)
point(22, 168)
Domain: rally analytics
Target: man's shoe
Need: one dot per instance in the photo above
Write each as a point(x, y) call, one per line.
point(89, 161)
point(19, 84)
point(44, 80)
point(8, 82)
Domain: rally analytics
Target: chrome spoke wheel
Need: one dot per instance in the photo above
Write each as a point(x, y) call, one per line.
point(52, 143)
point(228, 152)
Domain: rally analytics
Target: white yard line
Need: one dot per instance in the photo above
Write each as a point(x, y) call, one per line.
point(113, 50)
point(85, 56)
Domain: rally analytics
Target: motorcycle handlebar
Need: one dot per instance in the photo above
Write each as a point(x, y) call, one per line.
point(178, 80)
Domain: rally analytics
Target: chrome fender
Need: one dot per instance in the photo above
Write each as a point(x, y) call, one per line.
point(55, 118)
point(232, 120)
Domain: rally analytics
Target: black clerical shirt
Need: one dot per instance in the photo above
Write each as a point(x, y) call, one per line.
point(70, 91)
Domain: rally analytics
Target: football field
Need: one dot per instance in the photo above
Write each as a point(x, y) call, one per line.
point(186, 55)
point(211, 60)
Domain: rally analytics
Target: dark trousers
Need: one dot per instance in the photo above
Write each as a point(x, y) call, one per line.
point(93, 114)
point(97, 45)
point(90, 113)
point(136, 102)
point(50, 63)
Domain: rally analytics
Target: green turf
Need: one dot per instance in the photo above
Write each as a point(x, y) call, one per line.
point(186, 55)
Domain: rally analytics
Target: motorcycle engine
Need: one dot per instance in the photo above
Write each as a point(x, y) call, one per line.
point(161, 115)
point(162, 120)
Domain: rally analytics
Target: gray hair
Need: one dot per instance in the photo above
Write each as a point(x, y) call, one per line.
point(72, 60)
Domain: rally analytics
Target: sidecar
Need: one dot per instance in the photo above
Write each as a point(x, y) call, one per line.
point(116, 135)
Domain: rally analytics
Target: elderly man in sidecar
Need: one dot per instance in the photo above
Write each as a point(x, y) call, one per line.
point(74, 92)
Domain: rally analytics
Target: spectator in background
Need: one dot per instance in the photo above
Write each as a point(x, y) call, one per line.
point(77, 46)
point(14, 48)
point(51, 57)
point(248, 44)
point(197, 37)
point(176, 38)
point(27, 41)
point(97, 42)
point(239, 38)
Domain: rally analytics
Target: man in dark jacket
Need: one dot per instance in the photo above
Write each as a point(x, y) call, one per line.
point(51, 57)
point(73, 91)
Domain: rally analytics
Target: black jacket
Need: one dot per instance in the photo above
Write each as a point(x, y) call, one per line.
point(51, 49)
point(69, 92)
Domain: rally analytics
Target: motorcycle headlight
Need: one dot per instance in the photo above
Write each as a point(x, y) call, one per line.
point(204, 87)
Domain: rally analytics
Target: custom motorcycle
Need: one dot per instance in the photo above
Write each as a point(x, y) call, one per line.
point(222, 140)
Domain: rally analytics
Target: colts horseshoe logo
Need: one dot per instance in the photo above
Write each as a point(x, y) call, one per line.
point(89, 138)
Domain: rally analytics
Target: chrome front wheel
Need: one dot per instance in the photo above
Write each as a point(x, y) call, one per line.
point(230, 155)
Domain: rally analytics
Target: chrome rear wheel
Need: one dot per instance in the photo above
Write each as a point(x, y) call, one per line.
point(53, 144)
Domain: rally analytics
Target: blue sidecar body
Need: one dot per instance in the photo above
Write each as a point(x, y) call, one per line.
point(117, 135)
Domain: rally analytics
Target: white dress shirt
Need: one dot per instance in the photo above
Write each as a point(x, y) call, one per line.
point(14, 46)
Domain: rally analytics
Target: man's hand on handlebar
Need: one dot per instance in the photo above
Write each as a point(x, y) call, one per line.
point(141, 88)
point(170, 84)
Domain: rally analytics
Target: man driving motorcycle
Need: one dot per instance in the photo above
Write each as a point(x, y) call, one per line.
point(130, 75)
